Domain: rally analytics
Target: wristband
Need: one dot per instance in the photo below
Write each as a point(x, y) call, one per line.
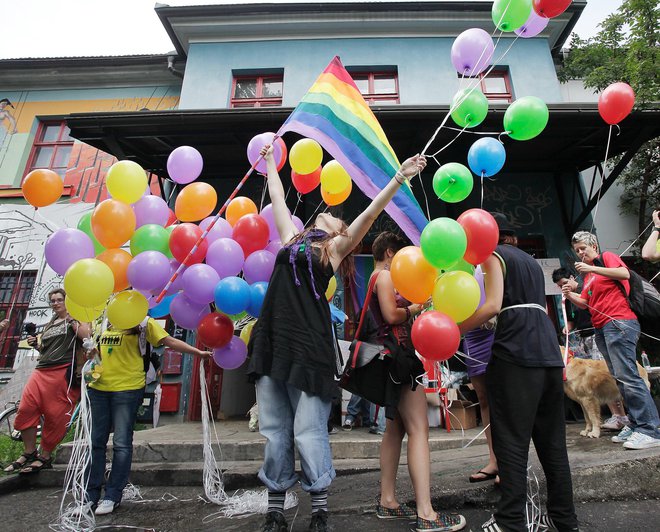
point(397, 175)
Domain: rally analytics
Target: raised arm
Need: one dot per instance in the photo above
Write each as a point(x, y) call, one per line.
point(283, 221)
point(183, 347)
point(494, 284)
point(650, 250)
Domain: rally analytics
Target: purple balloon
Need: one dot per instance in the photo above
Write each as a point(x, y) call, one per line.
point(177, 285)
point(472, 52)
point(226, 257)
point(479, 276)
point(186, 313)
point(535, 24)
point(148, 271)
point(151, 298)
point(66, 246)
point(151, 210)
point(274, 247)
point(258, 266)
point(232, 355)
point(269, 216)
point(298, 223)
point(199, 282)
point(254, 147)
point(221, 229)
point(184, 164)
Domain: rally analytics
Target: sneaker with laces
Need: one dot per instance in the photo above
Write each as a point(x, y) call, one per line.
point(623, 436)
point(402, 512)
point(491, 526)
point(319, 522)
point(442, 523)
point(106, 506)
point(638, 441)
point(612, 423)
point(348, 425)
point(275, 522)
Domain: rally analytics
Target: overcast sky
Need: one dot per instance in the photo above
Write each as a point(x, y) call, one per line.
point(57, 28)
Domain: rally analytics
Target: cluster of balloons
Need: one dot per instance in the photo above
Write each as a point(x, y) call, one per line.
point(526, 17)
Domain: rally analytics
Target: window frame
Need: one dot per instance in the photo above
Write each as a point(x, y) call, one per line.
point(18, 303)
point(259, 100)
point(40, 143)
point(376, 98)
point(495, 73)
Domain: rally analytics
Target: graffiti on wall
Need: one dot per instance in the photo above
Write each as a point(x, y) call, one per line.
point(524, 206)
point(7, 120)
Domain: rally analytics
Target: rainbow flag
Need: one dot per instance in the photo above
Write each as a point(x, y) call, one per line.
point(334, 113)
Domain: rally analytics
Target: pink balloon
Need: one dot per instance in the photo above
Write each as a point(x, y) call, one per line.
point(535, 24)
point(232, 355)
point(66, 246)
point(186, 313)
point(472, 52)
point(226, 257)
point(255, 145)
point(221, 229)
point(258, 266)
point(199, 282)
point(151, 210)
point(184, 164)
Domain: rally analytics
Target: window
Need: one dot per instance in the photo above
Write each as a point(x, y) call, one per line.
point(496, 86)
point(52, 148)
point(378, 88)
point(14, 299)
point(257, 91)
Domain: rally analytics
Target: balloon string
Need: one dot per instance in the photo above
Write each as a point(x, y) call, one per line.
point(299, 197)
point(263, 194)
point(483, 174)
point(312, 216)
point(600, 188)
point(450, 142)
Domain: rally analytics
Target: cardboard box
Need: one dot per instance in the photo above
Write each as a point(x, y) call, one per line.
point(463, 414)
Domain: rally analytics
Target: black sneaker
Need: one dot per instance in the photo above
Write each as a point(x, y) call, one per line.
point(275, 522)
point(319, 522)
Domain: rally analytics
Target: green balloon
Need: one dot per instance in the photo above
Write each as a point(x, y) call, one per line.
point(452, 182)
point(509, 15)
point(168, 252)
point(85, 225)
point(443, 242)
point(526, 118)
point(461, 266)
point(150, 237)
point(472, 110)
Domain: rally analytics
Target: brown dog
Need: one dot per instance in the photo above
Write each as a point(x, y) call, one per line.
point(589, 383)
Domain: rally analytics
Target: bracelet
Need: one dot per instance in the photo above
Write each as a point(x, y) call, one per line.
point(397, 175)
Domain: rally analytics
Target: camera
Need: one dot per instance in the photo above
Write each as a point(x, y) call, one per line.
point(30, 328)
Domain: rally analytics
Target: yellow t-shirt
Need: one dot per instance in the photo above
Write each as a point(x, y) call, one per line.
point(123, 365)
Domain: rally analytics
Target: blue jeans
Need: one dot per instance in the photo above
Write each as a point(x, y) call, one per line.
point(617, 341)
point(289, 416)
point(112, 412)
point(358, 406)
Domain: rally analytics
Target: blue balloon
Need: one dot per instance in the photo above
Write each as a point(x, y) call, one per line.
point(486, 156)
point(163, 308)
point(257, 295)
point(232, 295)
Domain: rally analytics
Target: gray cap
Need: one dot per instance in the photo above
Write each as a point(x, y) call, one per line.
point(503, 224)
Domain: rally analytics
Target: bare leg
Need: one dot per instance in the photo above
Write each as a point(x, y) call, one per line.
point(29, 437)
point(479, 383)
point(390, 453)
point(616, 408)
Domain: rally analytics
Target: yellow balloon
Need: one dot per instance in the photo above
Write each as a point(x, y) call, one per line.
point(332, 287)
point(82, 314)
point(89, 282)
point(334, 178)
point(456, 294)
point(127, 309)
point(335, 199)
point(305, 156)
point(126, 181)
point(246, 332)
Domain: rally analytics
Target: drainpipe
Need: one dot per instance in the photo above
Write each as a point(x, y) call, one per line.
point(170, 66)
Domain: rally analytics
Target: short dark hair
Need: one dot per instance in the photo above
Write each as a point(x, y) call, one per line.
point(560, 273)
point(56, 291)
point(387, 240)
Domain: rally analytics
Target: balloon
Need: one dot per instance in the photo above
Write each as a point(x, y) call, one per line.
point(335, 199)
point(258, 142)
point(117, 260)
point(221, 229)
point(526, 118)
point(215, 330)
point(486, 156)
point(162, 309)
point(85, 225)
point(246, 332)
point(535, 24)
point(251, 232)
point(550, 8)
point(83, 314)
point(298, 223)
point(186, 313)
point(616, 102)
point(509, 15)
point(226, 257)
point(195, 201)
point(169, 229)
point(259, 266)
point(232, 355)
point(126, 181)
point(113, 223)
point(65, 246)
point(334, 179)
point(305, 183)
point(443, 242)
point(151, 210)
point(150, 237)
point(435, 335)
point(127, 309)
point(332, 288)
point(452, 182)
point(182, 240)
point(232, 295)
point(268, 215)
point(89, 282)
point(479, 276)
point(257, 295)
point(274, 246)
point(461, 266)
point(306, 156)
point(171, 219)
point(184, 164)
point(149, 270)
point(472, 52)
point(470, 107)
point(412, 275)
point(42, 187)
point(177, 284)
point(457, 295)
point(238, 207)
point(482, 235)
point(199, 282)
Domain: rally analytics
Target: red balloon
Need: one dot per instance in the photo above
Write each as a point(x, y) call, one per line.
point(282, 145)
point(435, 335)
point(482, 235)
point(171, 219)
point(215, 330)
point(551, 8)
point(182, 240)
point(251, 232)
point(305, 183)
point(616, 102)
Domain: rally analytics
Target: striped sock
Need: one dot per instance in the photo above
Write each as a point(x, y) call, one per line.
point(276, 501)
point(319, 501)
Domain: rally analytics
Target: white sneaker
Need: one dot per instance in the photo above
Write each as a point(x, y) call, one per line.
point(623, 436)
point(106, 506)
point(491, 526)
point(639, 441)
point(615, 423)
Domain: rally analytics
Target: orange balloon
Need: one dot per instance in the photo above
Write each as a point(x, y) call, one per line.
point(42, 187)
point(412, 275)
point(117, 260)
point(336, 199)
point(195, 202)
point(239, 207)
point(113, 223)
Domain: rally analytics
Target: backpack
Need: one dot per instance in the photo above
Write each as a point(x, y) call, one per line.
point(150, 358)
point(644, 299)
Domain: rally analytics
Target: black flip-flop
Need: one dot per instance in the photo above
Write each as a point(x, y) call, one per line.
point(486, 476)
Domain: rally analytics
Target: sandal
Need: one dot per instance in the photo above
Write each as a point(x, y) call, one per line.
point(46, 463)
point(16, 466)
point(483, 476)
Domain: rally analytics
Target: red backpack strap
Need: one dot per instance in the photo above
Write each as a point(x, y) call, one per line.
point(367, 299)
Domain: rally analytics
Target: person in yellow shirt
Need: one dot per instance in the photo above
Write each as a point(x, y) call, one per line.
point(115, 398)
